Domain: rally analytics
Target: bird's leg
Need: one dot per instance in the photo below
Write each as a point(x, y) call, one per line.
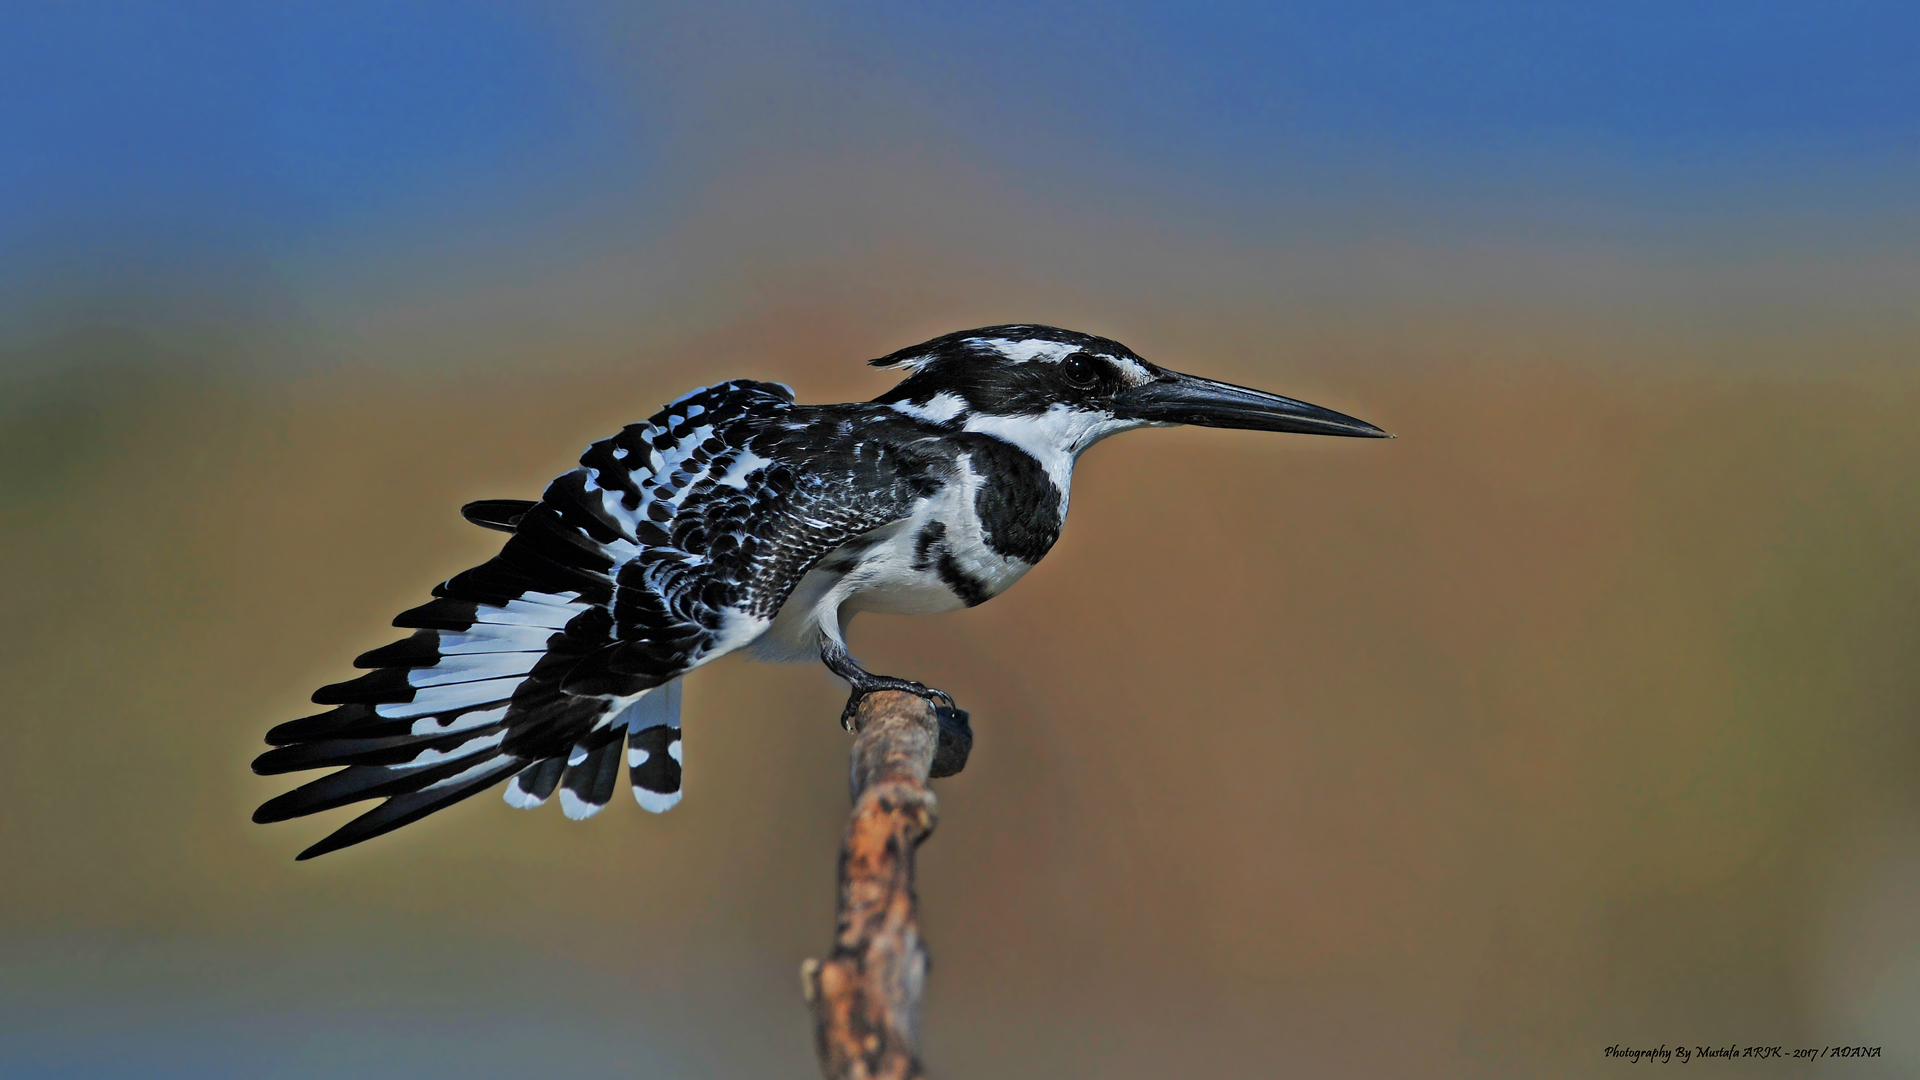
point(841, 663)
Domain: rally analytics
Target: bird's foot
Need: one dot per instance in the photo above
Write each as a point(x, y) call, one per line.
point(956, 736)
point(873, 684)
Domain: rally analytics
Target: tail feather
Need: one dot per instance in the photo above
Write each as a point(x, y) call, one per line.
point(587, 785)
point(653, 749)
point(650, 730)
point(534, 785)
point(653, 763)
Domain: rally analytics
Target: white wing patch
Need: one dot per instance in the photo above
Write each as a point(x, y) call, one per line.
point(744, 466)
point(551, 610)
point(451, 698)
point(473, 718)
point(494, 638)
point(474, 667)
point(466, 749)
point(663, 478)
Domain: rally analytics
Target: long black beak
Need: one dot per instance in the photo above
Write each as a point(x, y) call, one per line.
point(1174, 398)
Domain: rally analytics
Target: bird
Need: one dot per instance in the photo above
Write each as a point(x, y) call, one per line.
point(735, 518)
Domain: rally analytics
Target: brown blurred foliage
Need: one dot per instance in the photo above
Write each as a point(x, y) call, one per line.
point(1578, 715)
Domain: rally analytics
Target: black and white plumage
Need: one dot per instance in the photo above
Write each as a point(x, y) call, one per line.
point(734, 518)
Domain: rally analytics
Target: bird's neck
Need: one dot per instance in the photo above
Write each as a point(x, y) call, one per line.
point(1054, 438)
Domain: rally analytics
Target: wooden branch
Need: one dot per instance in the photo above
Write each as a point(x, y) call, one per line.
point(865, 996)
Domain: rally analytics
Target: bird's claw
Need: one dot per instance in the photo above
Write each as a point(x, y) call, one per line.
point(956, 735)
point(937, 697)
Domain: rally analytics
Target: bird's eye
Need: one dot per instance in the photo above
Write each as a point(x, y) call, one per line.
point(1081, 369)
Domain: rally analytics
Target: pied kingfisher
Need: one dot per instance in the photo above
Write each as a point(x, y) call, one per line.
point(735, 518)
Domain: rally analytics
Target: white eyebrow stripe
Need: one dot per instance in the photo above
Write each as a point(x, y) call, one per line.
point(1022, 351)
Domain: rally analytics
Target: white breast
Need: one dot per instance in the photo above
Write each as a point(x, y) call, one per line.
point(892, 574)
point(899, 577)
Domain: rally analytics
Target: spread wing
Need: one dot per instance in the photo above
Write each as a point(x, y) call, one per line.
point(674, 542)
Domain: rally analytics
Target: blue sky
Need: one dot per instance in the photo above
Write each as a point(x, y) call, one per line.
point(196, 139)
point(1243, 84)
point(259, 124)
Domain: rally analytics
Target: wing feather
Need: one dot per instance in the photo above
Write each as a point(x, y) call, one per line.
point(675, 541)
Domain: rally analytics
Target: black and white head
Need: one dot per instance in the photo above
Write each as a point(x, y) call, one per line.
point(1041, 386)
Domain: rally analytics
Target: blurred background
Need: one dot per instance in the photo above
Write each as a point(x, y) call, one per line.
point(1585, 714)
